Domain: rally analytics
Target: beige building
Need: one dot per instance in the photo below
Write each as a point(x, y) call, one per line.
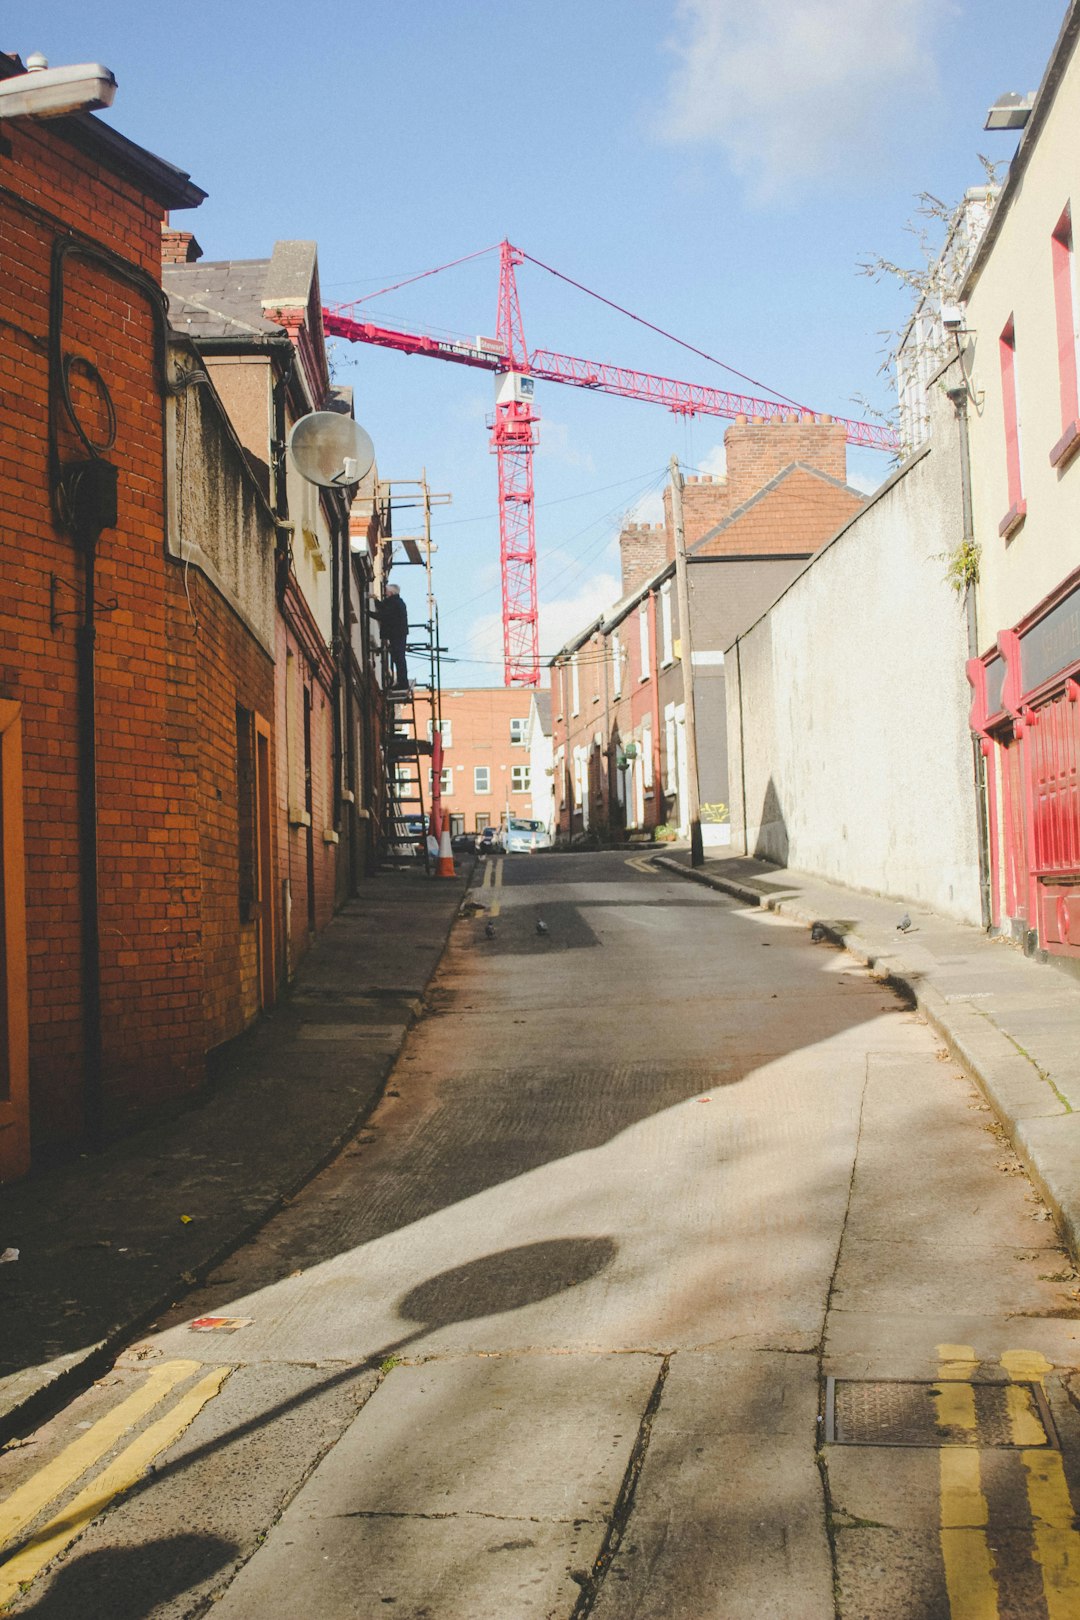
point(1020, 352)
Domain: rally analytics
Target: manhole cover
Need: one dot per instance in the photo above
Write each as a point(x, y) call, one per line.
point(948, 1412)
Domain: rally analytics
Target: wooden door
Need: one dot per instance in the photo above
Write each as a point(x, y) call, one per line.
point(14, 1032)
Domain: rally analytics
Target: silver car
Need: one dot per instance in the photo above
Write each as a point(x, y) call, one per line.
point(522, 837)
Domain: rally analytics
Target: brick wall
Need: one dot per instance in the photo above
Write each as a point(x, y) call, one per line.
point(178, 961)
point(151, 981)
point(644, 548)
point(707, 501)
point(757, 451)
point(479, 719)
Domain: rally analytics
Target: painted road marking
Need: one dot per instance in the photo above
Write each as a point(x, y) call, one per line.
point(24, 1505)
point(965, 1549)
point(120, 1475)
point(1057, 1543)
point(642, 863)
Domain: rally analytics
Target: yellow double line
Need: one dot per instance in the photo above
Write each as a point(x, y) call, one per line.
point(24, 1505)
point(642, 863)
point(493, 876)
point(969, 1563)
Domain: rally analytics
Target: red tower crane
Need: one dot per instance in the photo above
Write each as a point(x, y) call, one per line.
point(514, 425)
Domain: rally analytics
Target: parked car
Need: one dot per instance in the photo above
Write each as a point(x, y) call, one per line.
point(488, 840)
point(523, 837)
point(462, 842)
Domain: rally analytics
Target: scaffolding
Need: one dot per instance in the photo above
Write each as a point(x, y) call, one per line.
point(407, 755)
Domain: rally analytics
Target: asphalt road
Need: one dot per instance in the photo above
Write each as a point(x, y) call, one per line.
point(676, 1277)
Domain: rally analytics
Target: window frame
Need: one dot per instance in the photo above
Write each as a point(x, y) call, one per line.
point(1063, 268)
point(667, 626)
point(481, 792)
point(1010, 408)
point(519, 772)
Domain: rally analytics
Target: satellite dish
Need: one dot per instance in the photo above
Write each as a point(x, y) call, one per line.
point(330, 449)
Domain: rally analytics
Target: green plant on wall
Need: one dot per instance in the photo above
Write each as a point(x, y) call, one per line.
point(962, 566)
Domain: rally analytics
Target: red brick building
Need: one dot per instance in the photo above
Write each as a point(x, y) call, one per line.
point(617, 688)
point(486, 764)
point(101, 979)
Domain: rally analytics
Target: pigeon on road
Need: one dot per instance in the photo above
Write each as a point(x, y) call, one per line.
point(904, 924)
point(489, 930)
point(541, 926)
point(817, 933)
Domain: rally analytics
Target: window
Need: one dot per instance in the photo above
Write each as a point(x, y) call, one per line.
point(520, 779)
point(616, 664)
point(446, 729)
point(667, 655)
point(1061, 250)
point(457, 824)
point(643, 638)
point(1010, 410)
point(481, 823)
point(575, 688)
point(646, 754)
point(517, 730)
point(446, 781)
point(481, 779)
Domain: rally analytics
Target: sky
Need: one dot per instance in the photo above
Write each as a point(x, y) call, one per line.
point(721, 168)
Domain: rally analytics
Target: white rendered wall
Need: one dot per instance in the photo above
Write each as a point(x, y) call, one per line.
point(851, 697)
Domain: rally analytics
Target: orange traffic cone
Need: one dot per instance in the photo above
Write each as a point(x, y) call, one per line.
point(444, 866)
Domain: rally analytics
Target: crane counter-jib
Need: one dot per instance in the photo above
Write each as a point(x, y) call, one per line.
point(385, 337)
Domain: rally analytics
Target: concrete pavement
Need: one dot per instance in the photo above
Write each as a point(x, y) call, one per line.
point(549, 1337)
point(1013, 1023)
point(108, 1241)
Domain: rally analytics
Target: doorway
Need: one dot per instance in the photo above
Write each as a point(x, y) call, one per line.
point(14, 1031)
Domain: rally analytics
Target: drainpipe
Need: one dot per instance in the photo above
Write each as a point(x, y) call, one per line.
point(84, 497)
point(90, 494)
point(959, 398)
point(612, 799)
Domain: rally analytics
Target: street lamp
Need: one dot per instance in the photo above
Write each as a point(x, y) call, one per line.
point(45, 92)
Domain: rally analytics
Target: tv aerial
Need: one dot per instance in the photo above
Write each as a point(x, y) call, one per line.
point(331, 450)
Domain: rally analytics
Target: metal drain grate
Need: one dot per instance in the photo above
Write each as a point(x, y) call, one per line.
point(946, 1412)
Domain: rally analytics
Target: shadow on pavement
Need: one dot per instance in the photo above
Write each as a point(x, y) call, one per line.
point(129, 1583)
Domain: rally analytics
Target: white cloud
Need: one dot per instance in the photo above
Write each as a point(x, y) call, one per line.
point(566, 616)
point(560, 619)
point(555, 446)
point(867, 482)
point(648, 509)
point(797, 90)
point(714, 461)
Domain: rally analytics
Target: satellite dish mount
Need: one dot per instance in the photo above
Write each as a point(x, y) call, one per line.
point(331, 450)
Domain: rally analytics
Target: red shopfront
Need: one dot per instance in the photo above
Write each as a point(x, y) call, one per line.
point(1026, 711)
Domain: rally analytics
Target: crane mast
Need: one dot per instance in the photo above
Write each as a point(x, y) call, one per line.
point(513, 439)
point(514, 430)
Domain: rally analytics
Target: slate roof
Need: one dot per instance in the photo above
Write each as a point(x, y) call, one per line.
point(543, 711)
point(210, 300)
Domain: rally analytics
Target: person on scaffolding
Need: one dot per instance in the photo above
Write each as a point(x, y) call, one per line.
point(393, 617)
